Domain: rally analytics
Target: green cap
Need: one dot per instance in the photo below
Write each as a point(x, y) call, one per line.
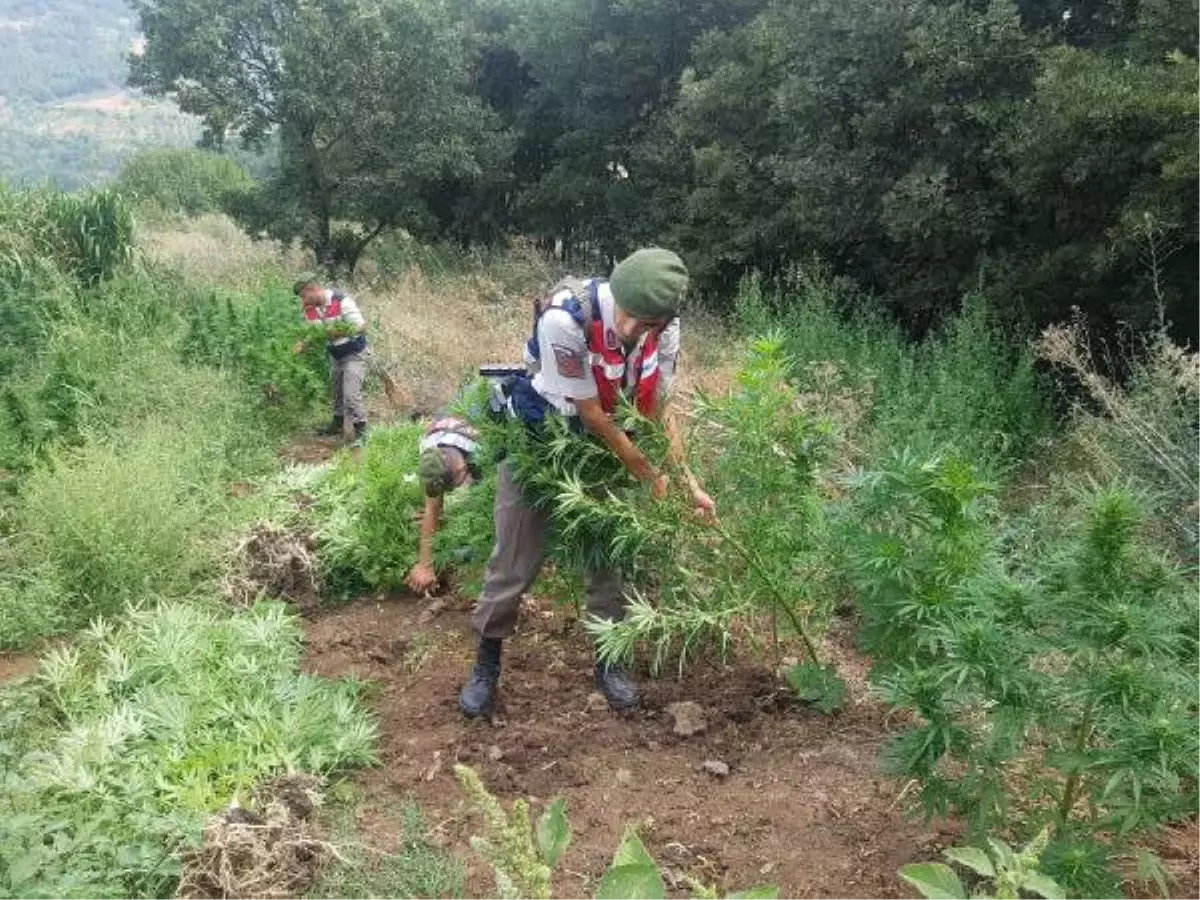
point(305, 279)
point(431, 469)
point(650, 283)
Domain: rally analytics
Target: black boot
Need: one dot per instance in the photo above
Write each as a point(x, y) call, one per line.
point(618, 688)
point(360, 434)
point(479, 692)
point(333, 429)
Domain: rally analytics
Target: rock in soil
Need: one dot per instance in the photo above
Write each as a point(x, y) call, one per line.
point(689, 718)
point(716, 768)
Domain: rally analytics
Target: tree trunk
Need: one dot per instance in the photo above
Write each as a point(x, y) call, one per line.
point(320, 202)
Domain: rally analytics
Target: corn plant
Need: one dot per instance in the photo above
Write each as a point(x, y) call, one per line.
point(94, 233)
point(1065, 694)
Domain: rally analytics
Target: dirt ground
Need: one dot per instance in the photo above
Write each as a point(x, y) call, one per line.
point(17, 665)
point(803, 805)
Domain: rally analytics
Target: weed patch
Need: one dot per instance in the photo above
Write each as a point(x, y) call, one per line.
point(123, 743)
point(415, 867)
point(969, 388)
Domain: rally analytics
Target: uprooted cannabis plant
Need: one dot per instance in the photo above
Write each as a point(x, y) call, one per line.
point(695, 587)
point(116, 752)
point(1059, 691)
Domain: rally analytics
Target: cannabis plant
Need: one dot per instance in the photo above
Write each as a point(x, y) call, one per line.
point(256, 338)
point(1061, 692)
point(125, 741)
point(694, 587)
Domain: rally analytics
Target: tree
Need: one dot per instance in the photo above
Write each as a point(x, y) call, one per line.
point(858, 131)
point(369, 100)
point(586, 85)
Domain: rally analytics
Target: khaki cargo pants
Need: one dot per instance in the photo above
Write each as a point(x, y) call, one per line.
point(347, 376)
point(516, 561)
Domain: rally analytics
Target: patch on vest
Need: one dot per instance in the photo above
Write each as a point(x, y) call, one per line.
point(610, 339)
point(570, 362)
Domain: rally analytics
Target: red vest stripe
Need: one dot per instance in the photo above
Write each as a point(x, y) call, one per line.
point(331, 310)
point(645, 384)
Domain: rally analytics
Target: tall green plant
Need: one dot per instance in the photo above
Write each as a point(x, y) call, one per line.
point(761, 563)
point(1068, 697)
point(256, 339)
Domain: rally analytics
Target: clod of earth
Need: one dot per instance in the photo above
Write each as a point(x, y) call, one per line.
point(689, 718)
point(430, 612)
point(271, 850)
point(273, 562)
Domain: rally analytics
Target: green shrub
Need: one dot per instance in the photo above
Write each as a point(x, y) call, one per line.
point(117, 524)
point(969, 388)
point(123, 743)
point(133, 511)
point(186, 181)
point(1060, 690)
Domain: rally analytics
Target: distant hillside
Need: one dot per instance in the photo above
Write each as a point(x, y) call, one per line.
point(54, 49)
point(65, 114)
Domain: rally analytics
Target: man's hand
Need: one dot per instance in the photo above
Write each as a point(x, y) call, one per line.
point(421, 578)
point(705, 507)
point(299, 348)
point(660, 486)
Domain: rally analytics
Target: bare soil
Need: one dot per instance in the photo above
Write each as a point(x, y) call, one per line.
point(803, 805)
point(17, 665)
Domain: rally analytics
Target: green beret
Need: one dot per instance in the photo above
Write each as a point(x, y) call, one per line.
point(650, 283)
point(431, 469)
point(305, 279)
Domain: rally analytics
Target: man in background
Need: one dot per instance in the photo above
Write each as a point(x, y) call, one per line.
point(346, 344)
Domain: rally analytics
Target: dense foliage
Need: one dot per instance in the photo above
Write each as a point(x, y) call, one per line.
point(126, 741)
point(117, 451)
point(182, 181)
point(1046, 156)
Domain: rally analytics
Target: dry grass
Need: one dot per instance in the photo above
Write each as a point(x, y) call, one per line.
point(429, 334)
point(270, 561)
point(432, 335)
point(272, 850)
point(1145, 430)
point(211, 249)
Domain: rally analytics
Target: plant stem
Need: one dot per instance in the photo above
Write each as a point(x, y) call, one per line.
point(1071, 788)
point(752, 559)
